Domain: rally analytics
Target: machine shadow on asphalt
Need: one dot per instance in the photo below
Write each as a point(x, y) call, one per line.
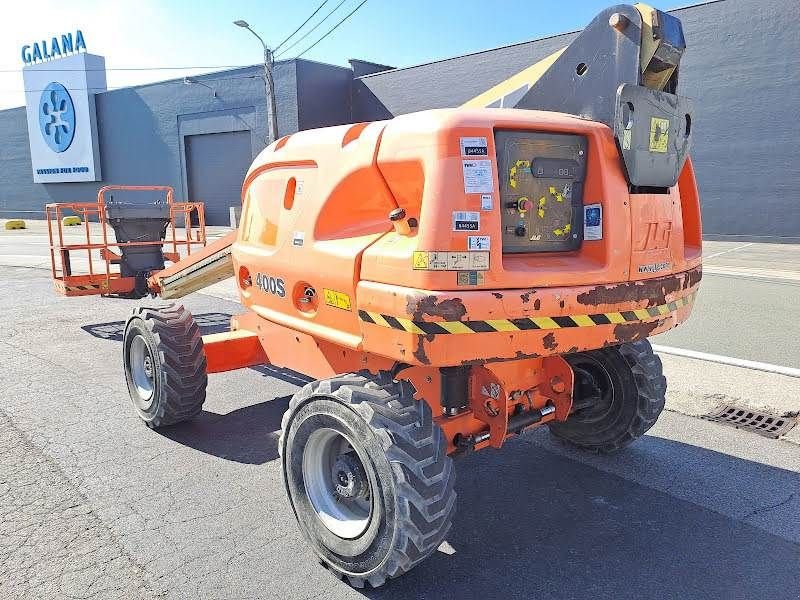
point(550, 526)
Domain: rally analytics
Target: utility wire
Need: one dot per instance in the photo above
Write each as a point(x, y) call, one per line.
point(332, 29)
point(288, 37)
point(133, 68)
point(135, 85)
point(310, 31)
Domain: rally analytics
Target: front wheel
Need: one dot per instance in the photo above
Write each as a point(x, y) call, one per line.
point(165, 364)
point(619, 393)
point(367, 474)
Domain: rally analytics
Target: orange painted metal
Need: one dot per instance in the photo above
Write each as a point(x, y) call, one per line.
point(316, 251)
point(232, 350)
point(99, 276)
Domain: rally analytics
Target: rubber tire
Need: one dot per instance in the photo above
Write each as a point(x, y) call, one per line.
point(639, 389)
point(176, 348)
point(407, 454)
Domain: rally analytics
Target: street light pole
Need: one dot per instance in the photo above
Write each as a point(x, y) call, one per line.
point(269, 84)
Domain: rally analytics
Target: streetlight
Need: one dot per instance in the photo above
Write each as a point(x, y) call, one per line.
point(269, 83)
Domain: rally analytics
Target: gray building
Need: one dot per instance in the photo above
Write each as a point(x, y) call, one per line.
point(741, 67)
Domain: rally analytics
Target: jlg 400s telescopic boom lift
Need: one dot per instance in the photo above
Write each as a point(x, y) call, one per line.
point(451, 278)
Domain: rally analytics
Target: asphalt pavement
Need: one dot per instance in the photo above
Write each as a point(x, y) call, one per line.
point(94, 504)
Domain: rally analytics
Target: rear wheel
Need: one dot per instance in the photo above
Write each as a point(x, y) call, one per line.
point(165, 365)
point(619, 394)
point(367, 475)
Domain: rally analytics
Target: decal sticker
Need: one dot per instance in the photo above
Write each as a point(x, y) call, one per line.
point(470, 278)
point(516, 170)
point(593, 222)
point(478, 177)
point(474, 146)
point(654, 267)
point(478, 242)
point(659, 134)
point(451, 261)
point(298, 238)
point(466, 221)
point(298, 187)
point(479, 261)
point(457, 261)
point(487, 202)
point(337, 299)
point(420, 259)
point(271, 285)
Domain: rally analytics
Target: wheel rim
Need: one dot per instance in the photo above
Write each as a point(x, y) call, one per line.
point(593, 379)
point(337, 484)
point(142, 369)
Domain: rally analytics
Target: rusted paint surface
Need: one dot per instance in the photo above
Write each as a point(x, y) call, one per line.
point(653, 291)
point(537, 304)
point(419, 353)
point(497, 295)
point(451, 309)
point(549, 341)
point(526, 296)
point(496, 359)
point(630, 332)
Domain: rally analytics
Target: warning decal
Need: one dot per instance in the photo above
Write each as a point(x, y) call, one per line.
point(478, 177)
point(450, 261)
point(659, 134)
point(337, 299)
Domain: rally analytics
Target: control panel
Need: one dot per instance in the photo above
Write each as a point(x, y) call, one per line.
point(541, 190)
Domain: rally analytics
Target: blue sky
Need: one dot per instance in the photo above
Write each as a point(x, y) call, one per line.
point(168, 33)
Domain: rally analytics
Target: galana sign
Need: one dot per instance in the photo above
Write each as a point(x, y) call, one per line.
point(56, 48)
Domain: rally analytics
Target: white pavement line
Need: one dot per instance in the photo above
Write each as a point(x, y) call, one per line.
point(729, 360)
point(728, 250)
point(759, 274)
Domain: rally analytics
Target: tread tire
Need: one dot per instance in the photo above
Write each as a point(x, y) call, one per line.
point(400, 438)
point(175, 345)
point(639, 388)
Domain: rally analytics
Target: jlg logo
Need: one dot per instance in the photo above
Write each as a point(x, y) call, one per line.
point(656, 236)
point(271, 285)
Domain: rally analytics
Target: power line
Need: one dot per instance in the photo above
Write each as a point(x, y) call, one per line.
point(133, 68)
point(310, 31)
point(135, 85)
point(288, 37)
point(330, 31)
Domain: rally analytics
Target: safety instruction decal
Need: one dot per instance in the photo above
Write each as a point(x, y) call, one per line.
point(466, 220)
point(337, 299)
point(478, 177)
point(425, 260)
point(487, 201)
point(298, 238)
point(593, 222)
point(474, 146)
point(659, 134)
point(478, 242)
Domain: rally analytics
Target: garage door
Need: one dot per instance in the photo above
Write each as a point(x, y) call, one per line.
point(216, 164)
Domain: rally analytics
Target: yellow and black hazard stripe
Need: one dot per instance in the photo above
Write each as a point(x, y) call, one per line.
point(83, 288)
point(523, 324)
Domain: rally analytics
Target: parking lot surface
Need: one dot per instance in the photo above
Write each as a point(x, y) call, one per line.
point(94, 504)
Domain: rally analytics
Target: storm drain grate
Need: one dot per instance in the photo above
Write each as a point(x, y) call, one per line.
point(765, 424)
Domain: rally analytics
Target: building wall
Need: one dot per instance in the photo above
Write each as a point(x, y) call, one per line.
point(141, 132)
point(741, 68)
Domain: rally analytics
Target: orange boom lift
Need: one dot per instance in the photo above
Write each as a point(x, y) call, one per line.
point(450, 279)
